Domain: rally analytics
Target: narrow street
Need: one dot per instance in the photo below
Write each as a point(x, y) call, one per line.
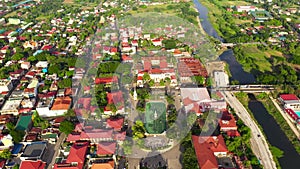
point(56, 149)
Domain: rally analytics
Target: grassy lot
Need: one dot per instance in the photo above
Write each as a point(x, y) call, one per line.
point(259, 59)
point(11, 14)
point(83, 5)
point(155, 8)
point(273, 52)
point(232, 3)
point(240, 21)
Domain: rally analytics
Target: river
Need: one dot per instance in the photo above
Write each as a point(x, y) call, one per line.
point(273, 132)
point(235, 68)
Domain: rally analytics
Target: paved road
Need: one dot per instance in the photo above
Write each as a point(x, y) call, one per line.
point(259, 144)
point(56, 149)
point(285, 116)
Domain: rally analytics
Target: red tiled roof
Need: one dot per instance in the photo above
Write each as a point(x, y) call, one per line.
point(120, 135)
point(72, 137)
point(5, 47)
point(105, 80)
point(116, 124)
point(163, 64)
point(62, 103)
point(205, 156)
point(46, 47)
point(196, 109)
point(2, 163)
point(96, 134)
point(188, 67)
point(287, 97)
point(155, 71)
point(140, 78)
point(114, 49)
point(187, 101)
point(68, 91)
point(227, 121)
point(106, 148)
point(147, 65)
point(86, 102)
point(233, 133)
point(32, 164)
point(126, 57)
point(77, 154)
point(115, 98)
point(205, 148)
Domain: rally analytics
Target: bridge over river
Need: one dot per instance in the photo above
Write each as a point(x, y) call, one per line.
point(247, 88)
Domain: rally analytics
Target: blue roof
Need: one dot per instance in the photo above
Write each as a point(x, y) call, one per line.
point(17, 148)
point(37, 52)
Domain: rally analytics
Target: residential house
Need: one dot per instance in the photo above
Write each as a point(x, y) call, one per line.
point(60, 106)
point(30, 44)
point(76, 157)
point(5, 85)
point(115, 98)
point(115, 123)
point(25, 65)
point(106, 148)
point(4, 49)
point(245, 8)
point(24, 122)
point(29, 164)
point(227, 124)
point(45, 103)
point(16, 75)
point(11, 106)
point(34, 151)
point(207, 149)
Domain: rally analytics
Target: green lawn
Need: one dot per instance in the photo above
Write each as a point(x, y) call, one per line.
point(155, 117)
point(232, 3)
point(155, 8)
point(259, 59)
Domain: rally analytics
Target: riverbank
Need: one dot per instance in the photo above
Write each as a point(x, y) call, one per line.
point(244, 99)
point(272, 110)
point(199, 22)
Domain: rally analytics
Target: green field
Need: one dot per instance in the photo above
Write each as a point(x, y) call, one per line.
point(253, 58)
point(155, 117)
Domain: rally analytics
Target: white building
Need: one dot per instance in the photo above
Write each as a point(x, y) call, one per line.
point(245, 8)
point(221, 79)
point(11, 107)
point(5, 85)
point(290, 101)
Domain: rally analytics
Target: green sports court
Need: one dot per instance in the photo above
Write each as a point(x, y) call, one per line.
point(155, 117)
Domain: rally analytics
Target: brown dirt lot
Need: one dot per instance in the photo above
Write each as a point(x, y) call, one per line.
point(68, 1)
point(215, 66)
